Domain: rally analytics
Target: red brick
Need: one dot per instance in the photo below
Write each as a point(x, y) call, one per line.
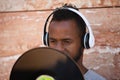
point(20, 31)
point(25, 5)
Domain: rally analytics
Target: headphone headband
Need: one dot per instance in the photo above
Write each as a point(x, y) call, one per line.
point(91, 36)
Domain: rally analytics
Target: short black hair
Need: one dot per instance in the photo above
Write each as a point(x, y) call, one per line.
point(64, 14)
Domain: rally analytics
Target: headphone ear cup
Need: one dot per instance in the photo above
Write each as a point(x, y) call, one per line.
point(86, 41)
point(46, 36)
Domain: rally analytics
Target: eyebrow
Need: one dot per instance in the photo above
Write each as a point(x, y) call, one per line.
point(51, 38)
point(64, 39)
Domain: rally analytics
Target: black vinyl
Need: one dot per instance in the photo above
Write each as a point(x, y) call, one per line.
point(45, 61)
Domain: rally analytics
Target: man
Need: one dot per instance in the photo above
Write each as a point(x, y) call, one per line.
point(66, 33)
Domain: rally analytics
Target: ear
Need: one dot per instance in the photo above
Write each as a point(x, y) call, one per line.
point(46, 40)
point(86, 41)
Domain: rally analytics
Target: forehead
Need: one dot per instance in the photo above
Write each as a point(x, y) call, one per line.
point(64, 24)
point(63, 28)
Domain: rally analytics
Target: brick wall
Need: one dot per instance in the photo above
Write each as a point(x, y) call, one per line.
point(21, 28)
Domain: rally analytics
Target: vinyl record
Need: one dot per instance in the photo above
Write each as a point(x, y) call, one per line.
point(45, 64)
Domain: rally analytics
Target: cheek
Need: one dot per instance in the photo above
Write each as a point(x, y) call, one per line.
point(73, 50)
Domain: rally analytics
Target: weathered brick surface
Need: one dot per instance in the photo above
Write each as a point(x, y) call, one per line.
point(23, 5)
point(21, 31)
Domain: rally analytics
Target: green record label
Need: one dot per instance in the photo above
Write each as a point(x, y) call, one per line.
point(45, 77)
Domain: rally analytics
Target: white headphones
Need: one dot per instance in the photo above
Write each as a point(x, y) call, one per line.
point(89, 39)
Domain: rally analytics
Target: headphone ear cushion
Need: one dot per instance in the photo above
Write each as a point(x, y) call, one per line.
point(46, 36)
point(86, 41)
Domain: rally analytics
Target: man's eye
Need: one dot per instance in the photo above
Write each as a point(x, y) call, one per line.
point(67, 42)
point(52, 41)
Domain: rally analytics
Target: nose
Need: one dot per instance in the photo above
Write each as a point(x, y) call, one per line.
point(59, 47)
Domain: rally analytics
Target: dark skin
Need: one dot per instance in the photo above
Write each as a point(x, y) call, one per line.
point(64, 36)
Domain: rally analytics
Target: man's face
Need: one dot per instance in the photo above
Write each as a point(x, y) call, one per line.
point(64, 36)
